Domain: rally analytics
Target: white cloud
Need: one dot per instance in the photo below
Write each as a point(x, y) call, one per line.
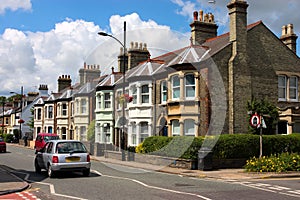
point(14, 5)
point(187, 7)
point(32, 58)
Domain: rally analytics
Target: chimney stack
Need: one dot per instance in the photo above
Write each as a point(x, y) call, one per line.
point(43, 90)
point(203, 28)
point(88, 73)
point(64, 82)
point(238, 24)
point(288, 37)
point(137, 53)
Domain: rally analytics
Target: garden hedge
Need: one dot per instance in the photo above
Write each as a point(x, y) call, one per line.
point(227, 146)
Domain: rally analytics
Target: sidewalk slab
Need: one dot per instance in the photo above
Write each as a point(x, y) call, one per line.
point(10, 183)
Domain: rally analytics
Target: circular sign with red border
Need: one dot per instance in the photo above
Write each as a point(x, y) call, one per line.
point(255, 120)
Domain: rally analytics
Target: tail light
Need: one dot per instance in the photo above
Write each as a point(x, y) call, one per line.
point(55, 159)
point(88, 158)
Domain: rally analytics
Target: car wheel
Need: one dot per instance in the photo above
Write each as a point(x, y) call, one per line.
point(37, 167)
point(86, 172)
point(50, 172)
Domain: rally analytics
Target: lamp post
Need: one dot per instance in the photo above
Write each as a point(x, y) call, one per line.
point(123, 103)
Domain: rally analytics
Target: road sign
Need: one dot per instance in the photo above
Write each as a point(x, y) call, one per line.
point(255, 120)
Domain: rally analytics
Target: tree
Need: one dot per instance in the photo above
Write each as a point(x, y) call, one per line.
point(91, 132)
point(269, 112)
point(30, 122)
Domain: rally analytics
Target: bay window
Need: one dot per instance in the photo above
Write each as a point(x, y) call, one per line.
point(175, 87)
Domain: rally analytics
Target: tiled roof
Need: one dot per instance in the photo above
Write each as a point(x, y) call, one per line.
point(189, 54)
point(197, 53)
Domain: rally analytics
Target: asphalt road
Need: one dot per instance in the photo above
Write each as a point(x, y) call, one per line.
point(109, 181)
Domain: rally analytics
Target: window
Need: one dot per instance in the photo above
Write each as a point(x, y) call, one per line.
point(163, 91)
point(189, 86)
point(282, 88)
point(64, 133)
point(144, 131)
point(119, 94)
point(83, 106)
point(175, 87)
point(64, 109)
point(46, 112)
point(293, 88)
point(106, 131)
point(50, 129)
point(107, 102)
point(144, 127)
point(145, 94)
point(189, 128)
point(134, 95)
point(175, 127)
point(50, 112)
point(39, 114)
point(83, 133)
point(77, 106)
point(72, 109)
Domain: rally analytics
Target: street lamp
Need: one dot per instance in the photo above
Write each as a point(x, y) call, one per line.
point(123, 102)
point(21, 110)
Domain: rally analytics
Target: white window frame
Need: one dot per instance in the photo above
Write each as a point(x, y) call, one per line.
point(50, 112)
point(293, 87)
point(188, 125)
point(164, 92)
point(175, 127)
point(83, 104)
point(188, 86)
point(175, 87)
point(282, 87)
point(64, 109)
point(145, 94)
point(134, 94)
point(107, 100)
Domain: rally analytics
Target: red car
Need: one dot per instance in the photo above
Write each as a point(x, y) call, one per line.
point(42, 138)
point(2, 145)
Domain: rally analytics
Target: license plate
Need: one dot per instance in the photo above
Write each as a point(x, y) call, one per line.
point(72, 159)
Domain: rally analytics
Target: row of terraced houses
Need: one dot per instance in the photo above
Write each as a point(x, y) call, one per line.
point(199, 89)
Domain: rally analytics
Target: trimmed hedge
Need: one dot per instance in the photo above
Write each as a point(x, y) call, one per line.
point(224, 146)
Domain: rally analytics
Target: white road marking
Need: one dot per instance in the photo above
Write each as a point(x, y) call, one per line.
point(153, 187)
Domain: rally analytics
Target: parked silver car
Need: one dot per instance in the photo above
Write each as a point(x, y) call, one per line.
point(63, 155)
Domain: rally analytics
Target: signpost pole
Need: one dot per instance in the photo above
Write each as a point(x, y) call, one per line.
point(260, 137)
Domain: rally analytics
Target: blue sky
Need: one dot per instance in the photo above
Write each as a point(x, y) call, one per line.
point(44, 14)
point(43, 39)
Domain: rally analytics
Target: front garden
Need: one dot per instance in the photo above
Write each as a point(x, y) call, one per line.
point(281, 153)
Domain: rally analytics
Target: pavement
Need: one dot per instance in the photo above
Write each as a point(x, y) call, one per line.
point(10, 183)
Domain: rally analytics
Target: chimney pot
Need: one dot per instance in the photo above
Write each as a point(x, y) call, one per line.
point(201, 15)
point(195, 16)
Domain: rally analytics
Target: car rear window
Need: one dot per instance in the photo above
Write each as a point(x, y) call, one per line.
point(50, 137)
point(70, 147)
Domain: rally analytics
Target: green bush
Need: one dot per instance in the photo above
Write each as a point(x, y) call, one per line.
point(228, 146)
point(283, 162)
point(7, 137)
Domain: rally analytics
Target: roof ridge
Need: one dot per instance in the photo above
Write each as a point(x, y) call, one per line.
point(250, 26)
